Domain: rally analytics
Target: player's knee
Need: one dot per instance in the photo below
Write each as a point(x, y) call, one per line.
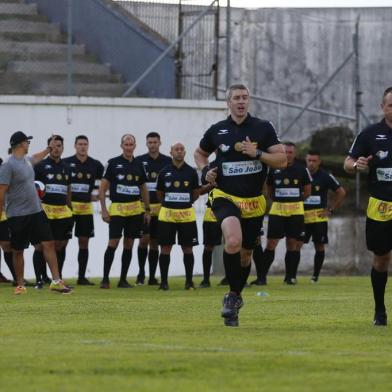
point(233, 244)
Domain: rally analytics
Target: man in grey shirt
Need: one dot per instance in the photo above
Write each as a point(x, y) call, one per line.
point(27, 221)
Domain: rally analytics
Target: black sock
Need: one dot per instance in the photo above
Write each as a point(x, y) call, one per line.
point(189, 261)
point(258, 259)
point(10, 265)
point(82, 260)
point(232, 263)
point(125, 263)
point(296, 260)
point(141, 257)
point(164, 261)
point(60, 260)
point(38, 260)
point(207, 262)
point(318, 262)
point(379, 281)
point(289, 261)
point(245, 271)
point(267, 260)
point(152, 262)
point(107, 262)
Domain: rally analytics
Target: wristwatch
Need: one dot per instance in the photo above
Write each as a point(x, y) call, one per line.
point(259, 153)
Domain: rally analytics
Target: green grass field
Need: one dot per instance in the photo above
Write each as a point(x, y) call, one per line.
point(299, 338)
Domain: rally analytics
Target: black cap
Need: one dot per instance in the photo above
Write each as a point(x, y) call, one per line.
point(18, 137)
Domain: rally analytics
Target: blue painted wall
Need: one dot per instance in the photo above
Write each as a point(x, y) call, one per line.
point(116, 39)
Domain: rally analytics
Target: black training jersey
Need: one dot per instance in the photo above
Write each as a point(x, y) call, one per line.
point(177, 185)
point(83, 176)
point(288, 184)
point(376, 140)
point(125, 178)
point(56, 177)
point(322, 181)
point(152, 167)
point(238, 174)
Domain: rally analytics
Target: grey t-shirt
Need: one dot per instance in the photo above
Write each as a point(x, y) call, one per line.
point(21, 197)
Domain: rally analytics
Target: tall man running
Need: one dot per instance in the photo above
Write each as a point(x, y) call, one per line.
point(26, 219)
point(371, 153)
point(85, 172)
point(317, 211)
point(125, 180)
point(153, 162)
point(244, 146)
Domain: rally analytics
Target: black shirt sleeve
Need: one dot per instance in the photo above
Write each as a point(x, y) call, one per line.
point(271, 138)
point(206, 143)
point(360, 146)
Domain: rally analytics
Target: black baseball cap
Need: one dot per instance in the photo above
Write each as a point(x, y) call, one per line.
point(18, 137)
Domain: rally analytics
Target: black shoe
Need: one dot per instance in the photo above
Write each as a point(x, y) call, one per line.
point(140, 280)
point(153, 282)
point(84, 282)
point(205, 284)
point(380, 319)
point(290, 281)
point(259, 282)
point(314, 279)
point(46, 280)
point(105, 284)
point(189, 285)
point(223, 282)
point(123, 284)
point(163, 286)
point(232, 303)
point(231, 321)
point(247, 285)
point(39, 285)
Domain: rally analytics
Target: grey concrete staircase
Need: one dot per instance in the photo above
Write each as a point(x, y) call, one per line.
point(33, 57)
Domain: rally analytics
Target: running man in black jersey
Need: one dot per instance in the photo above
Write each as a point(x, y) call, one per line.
point(153, 162)
point(55, 174)
point(85, 172)
point(316, 209)
point(125, 180)
point(177, 189)
point(287, 188)
point(371, 153)
point(245, 146)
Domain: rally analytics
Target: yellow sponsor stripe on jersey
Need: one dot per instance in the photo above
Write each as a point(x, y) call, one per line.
point(315, 216)
point(379, 210)
point(3, 216)
point(180, 215)
point(126, 209)
point(154, 209)
point(57, 212)
point(79, 208)
point(287, 209)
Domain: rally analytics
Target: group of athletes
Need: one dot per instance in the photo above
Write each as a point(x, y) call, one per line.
point(152, 198)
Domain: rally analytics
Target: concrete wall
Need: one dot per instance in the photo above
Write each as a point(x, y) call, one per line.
point(118, 40)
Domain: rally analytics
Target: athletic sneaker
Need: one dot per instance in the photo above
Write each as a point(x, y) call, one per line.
point(290, 281)
point(123, 284)
point(60, 287)
point(140, 280)
point(223, 282)
point(314, 279)
point(47, 280)
point(205, 284)
point(153, 282)
point(232, 303)
point(105, 284)
point(189, 285)
point(380, 319)
point(26, 283)
point(163, 286)
point(247, 285)
point(84, 282)
point(259, 282)
point(3, 279)
point(39, 285)
point(231, 321)
point(20, 290)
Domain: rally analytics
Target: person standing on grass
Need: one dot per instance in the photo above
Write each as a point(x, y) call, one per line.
point(125, 180)
point(26, 219)
point(371, 153)
point(316, 209)
point(85, 172)
point(245, 146)
point(153, 162)
point(177, 189)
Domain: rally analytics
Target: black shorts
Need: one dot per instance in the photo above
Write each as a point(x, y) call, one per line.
point(223, 208)
point(27, 229)
point(4, 231)
point(187, 233)
point(152, 228)
point(212, 233)
point(61, 228)
point(84, 226)
point(131, 226)
point(286, 226)
point(379, 236)
point(318, 231)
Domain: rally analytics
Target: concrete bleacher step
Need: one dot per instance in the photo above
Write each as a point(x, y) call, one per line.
point(16, 26)
point(13, 47)
point(18, 8)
